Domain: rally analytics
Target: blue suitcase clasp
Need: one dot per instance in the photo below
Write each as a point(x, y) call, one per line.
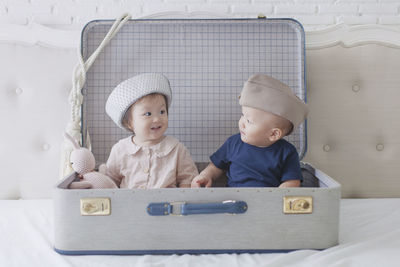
point(182, 208)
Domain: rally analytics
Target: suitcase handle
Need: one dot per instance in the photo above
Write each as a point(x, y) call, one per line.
point(183, 208)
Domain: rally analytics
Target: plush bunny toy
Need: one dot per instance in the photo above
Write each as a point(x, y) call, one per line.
point(83, 162)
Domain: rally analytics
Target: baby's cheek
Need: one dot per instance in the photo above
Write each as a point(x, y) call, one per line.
point(166, 122)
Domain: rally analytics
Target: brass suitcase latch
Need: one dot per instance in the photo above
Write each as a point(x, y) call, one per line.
point(95, 206)
point(297, 204)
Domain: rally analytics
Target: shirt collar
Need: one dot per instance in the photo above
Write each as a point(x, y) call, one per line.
point(131, 147)
point(161, 149)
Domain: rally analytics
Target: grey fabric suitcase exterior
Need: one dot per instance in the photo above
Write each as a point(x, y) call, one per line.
point(207, 62)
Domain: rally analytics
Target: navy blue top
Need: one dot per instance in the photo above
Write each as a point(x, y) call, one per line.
point(251, 166)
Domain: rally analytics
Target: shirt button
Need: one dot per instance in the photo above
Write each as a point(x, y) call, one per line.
point(145, 170)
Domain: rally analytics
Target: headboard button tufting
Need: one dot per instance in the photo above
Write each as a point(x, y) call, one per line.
point(18, 91)
point(380, 147)
point(326, 148)
point(355, 88)
point(46, 147)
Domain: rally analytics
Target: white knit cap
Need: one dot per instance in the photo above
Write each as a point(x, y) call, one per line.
point(131, 90)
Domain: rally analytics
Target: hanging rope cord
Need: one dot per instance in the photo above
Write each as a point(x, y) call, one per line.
point(76, 97)
point(79, 73)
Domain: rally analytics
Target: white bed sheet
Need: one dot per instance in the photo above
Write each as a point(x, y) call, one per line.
point(369, 236)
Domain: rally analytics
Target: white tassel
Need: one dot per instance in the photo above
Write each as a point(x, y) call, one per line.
point(76, 98)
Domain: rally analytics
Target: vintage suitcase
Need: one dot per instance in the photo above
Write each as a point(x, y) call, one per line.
point(207, 62)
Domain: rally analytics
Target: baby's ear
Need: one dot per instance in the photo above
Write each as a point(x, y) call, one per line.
point(275, 134)
point(128, 123)
point(130, 126)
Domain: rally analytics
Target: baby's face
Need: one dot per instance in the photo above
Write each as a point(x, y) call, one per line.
point(257, 126)
point(149, 120)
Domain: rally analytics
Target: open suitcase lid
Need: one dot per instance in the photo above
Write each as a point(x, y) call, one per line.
point(207, 62)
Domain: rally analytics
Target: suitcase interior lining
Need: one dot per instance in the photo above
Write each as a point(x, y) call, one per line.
point(207, 63)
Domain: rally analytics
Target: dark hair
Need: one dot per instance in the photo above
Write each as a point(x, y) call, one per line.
point(289, 129)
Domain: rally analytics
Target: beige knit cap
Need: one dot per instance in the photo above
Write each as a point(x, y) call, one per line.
point(269, 94)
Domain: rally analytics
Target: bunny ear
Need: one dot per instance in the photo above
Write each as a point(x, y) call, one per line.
point(72, 140)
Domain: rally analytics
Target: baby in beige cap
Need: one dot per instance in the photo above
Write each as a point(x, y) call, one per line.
point(258, 156)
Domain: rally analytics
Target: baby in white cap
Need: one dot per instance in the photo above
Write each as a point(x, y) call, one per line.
point(258, 156)
point(147, 158)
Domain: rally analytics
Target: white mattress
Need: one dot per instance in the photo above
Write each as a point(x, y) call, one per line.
point(369, 235)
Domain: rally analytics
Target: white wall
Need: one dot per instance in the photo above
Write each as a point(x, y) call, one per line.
point(313, 14)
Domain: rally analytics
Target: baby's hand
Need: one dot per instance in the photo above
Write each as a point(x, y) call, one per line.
point(201, 181)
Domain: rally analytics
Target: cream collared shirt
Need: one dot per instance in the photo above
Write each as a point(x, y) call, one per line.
point(166, 164)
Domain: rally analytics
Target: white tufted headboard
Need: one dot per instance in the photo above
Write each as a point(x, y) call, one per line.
point(35, 80)
point(353, 90)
